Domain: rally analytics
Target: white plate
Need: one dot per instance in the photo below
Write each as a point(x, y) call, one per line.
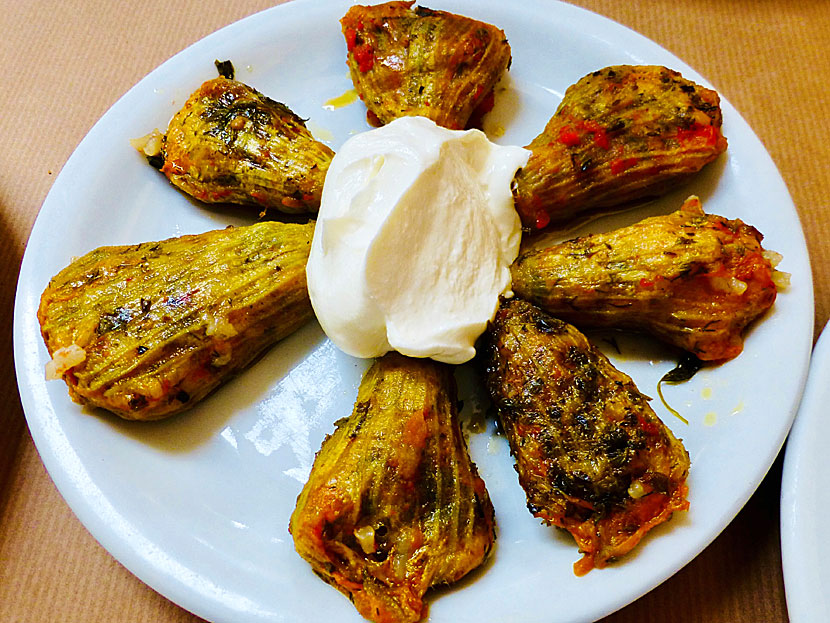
point(805, 498)
point(197, 506)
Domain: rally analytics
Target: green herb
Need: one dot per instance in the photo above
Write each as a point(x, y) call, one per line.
point(225, 69)
point(686, 368)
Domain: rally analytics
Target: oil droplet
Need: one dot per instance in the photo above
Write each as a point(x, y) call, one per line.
point(706, 393)
point(738, 408)
point(349, 97)
point(319, 132)
point(497, 130)
point(710, 419)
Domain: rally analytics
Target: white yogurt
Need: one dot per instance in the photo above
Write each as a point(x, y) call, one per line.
point(414, 240)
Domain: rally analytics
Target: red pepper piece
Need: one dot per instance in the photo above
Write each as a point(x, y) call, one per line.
point(364, 56)
point(351, 38)
point(622, 164)
point(568, 136)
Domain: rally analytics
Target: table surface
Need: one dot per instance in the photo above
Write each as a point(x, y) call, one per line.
point(63, 64)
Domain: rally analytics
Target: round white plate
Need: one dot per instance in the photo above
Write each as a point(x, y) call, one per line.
point(197, 506)
point(805, 498)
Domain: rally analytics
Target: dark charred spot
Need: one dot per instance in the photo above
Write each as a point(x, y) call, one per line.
point(137, 401)
point(427, 486)
point(225, 100)
point(156, 161)
point(114, 321)
point(361, 410)
point(225, 69)
point(554, 413)
point(367, 505)
point(617, 126)
point(577, 512)
point(615, 440)
point(422, 11)
point(660, 482)
point(548, 325)
point(577, 357)
point(93, 276)
point(582, 421)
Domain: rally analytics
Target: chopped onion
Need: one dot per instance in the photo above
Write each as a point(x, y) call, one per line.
point(737, 286)
point(62, 360)
point(154, 389)
point(781, 279)
point(772, 257)
point(366, 538)
point(402, 550)
point(220, 327)
point(636, 490)
point(732, 285)
point(149, 144)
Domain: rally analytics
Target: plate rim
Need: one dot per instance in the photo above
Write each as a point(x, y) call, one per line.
point(45, 444)
point(802, 450)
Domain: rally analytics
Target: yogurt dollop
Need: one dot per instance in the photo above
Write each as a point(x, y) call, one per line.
point(414, 239)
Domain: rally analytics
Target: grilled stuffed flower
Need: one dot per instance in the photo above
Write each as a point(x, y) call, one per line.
point(231, 144)
point(620, 134)
point(394, 504)
point(434, 64)
point(691, 279)
point(592, 456)
point(147, 330)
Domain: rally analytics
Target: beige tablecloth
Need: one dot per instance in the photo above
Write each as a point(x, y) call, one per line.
point(63, 64)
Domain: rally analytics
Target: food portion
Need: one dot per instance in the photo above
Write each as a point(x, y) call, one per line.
point(231, 144)
point(148, 330)
point(414, 241)
point(591, 455)
point(416, 61)
point(394, 505)
point(620, 134)
point(412, 259)
point(691, 279)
